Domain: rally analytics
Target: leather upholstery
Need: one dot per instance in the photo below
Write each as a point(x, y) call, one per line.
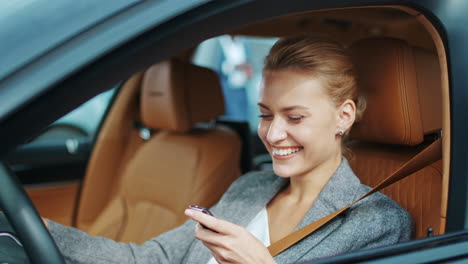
point(45, 200)
point(178, 166)
point(419, 193)
point(115, 144)
point(174, 103)
point(403, 88)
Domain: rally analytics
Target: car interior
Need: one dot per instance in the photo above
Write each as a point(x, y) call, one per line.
point(195, 162)
point(162, 145)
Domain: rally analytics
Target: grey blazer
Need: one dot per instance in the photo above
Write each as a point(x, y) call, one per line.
point(375, 221)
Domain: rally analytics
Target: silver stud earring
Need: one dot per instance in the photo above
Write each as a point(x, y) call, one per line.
point(340, 132)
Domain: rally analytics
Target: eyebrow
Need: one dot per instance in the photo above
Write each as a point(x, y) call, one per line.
point(286, 109)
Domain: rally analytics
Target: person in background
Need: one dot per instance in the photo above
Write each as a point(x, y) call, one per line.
point(229, 57)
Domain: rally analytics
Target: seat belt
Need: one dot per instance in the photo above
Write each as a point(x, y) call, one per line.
point(429, 155)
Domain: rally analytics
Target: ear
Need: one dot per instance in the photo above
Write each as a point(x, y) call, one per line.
point(346, 115)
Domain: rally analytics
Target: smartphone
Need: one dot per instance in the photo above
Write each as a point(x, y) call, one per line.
point(203, 210)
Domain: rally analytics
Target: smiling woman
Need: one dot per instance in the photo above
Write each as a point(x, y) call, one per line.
point(309, 101)
point(410, 57)
point(303, 125)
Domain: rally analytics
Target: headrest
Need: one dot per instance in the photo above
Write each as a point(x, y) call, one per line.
point(177, 95)
point(403, 90)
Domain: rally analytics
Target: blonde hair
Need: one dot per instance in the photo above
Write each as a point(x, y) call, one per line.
point(324, 59)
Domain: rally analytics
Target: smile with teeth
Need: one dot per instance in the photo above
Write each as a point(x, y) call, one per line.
point(285, 151)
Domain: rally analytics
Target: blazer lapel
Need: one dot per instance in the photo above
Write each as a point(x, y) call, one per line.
point(340, 191)
point(259, 197)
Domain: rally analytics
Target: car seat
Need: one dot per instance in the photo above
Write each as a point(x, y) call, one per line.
point(154, 156)
point(404, 113)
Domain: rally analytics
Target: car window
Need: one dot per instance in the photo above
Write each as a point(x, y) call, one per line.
point(238, 60)
point(88, 116)
point(61, 152)
point(83, 122)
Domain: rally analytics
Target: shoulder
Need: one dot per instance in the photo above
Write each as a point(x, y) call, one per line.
point(378, 218)
point(382, 206)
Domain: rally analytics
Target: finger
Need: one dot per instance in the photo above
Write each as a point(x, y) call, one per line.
point(208, 237)
point(216, 250)
point(212, 246)
point(211, 222)
point(222, 254)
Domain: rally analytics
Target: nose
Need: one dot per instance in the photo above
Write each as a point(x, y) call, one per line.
point(276, 131)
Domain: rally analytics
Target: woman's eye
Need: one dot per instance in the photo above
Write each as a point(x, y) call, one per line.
point(295, 118)
point(265, 116)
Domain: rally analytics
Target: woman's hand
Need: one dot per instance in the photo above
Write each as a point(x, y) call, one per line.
point(229, 243)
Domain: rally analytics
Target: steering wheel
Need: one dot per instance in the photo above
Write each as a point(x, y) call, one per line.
point(24, 218)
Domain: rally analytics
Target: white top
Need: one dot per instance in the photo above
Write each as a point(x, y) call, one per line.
point(258, 227)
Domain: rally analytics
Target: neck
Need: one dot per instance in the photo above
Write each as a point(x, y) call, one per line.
point(306, 188)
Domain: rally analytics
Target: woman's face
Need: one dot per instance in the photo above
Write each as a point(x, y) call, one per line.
point(299, 123)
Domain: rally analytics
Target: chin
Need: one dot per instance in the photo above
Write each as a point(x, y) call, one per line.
point(284, 172)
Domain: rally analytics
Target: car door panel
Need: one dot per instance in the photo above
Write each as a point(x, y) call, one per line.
point(56, 201)
point(51, 168)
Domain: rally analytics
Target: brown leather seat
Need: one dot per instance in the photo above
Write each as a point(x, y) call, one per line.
point(137, 186)
point(403, 89)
